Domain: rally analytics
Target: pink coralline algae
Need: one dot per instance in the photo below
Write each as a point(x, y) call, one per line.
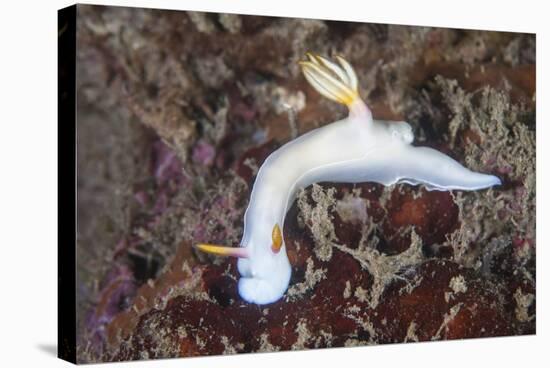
point(115, 296)
point(204, 153)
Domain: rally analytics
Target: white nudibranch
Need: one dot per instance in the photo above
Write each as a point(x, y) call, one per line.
point(355, 149)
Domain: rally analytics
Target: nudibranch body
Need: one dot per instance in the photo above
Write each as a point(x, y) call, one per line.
point(355, 149)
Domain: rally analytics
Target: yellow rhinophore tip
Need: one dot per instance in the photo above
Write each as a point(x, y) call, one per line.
point(276, 239)
point(335, 82)
point(223, 251)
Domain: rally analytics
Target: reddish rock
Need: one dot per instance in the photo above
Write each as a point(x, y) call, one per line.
point(432, 213)
point(252, 159)
point(326, 316)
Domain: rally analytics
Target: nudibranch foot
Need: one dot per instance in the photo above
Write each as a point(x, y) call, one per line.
point(264, 291)
point(352, 150)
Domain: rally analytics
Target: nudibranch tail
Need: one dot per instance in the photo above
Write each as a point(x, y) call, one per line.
point(338, 83)
point(223, 251)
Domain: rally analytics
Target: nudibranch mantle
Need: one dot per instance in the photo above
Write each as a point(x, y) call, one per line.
point(352, 150)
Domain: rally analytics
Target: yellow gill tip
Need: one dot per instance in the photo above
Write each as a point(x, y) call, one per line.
point(330, 80)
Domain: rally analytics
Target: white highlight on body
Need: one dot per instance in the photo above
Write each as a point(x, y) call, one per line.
point(355, 149)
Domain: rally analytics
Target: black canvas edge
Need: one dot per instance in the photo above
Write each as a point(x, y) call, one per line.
point(66, 189)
